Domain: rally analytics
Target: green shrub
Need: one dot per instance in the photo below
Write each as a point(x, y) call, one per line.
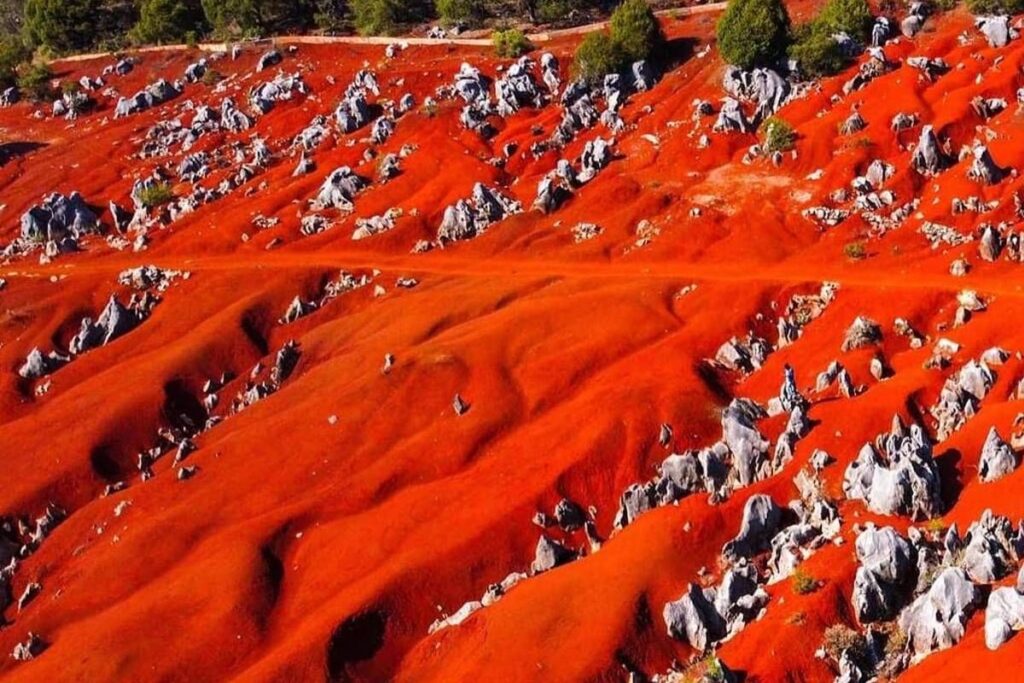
point(379, 17)
point(35, 81)
point(63, 25)
point(803, 583)
point(167, 21)
point(753, 32)
point(635, 30)
point(634, 34)
point(232, 18)
point(945, 5)
point(777, 135)
point(156, 195)
point(596, 56)
point(855, 251)
point(840, 638)
point(455, 12)
point(12, 53)
point(816, 52)
point(511, 43)
point(212, 77)
point(852, 17)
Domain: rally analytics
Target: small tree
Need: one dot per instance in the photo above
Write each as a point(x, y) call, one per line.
point(816, 52)
point(510, 43)
point(156, 195)
point(36, 81)
point(166, 21)
point(596, 56)
point(61, 25)
point(777, 135)
point(753, 32)
point(12, 53)
point(635, 30)
point(456, 12)
point(852, 17)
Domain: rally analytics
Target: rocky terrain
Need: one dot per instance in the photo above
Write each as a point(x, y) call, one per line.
point(406, 362)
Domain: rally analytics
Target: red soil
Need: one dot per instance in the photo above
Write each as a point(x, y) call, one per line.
point(296, 530)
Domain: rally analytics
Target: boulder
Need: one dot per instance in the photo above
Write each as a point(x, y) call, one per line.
point(884, 576)
point(550, 554)
point(936, 620)
point(694, 619)
point(761, 517)
point(1004, 614)
point(997, 458)
point(997, 30)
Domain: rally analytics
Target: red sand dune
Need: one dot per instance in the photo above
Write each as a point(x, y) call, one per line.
point(307, 547)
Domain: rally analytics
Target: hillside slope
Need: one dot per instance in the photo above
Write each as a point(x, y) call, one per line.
point(328, 524)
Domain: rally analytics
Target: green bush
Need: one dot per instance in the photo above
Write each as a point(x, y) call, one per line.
point(852, 17)
point(379, 17)
point(455, 12)
point(12, 53)
point(855, 251)
point(840, 638)
point(212, 77)
point(62, 25)
point(510, 43)
point(777, 135)
point(635, 30)
point(232, 18)
point(167, 21)
point(596, 56)
point(753, 32)
point(803, 583)
point(35, 81)
point(816, 52)
point(634, 34)
point(156, 195)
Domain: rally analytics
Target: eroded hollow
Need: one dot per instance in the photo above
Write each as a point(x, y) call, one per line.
point(357, 639)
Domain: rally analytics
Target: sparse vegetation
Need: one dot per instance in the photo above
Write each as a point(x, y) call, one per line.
point(855, 251)
point(753, 32)
point(156, 195)
point(777, 135)
point(510, 43)
point(840, 638)
point(803, 583)
point(212, 77)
